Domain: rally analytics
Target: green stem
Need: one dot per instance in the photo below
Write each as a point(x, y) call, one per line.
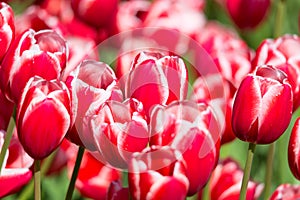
point(269, 171)
point(205, 192)
point(28, 190)
point(8, 136)
point(247, 170)
point(37, 180)
point(75, 173)
point(279, 18)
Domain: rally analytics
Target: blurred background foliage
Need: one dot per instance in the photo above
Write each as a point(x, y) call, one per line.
point(55, 187)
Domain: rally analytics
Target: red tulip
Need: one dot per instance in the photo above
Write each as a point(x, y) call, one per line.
point(131, 14)
point(231, 54)
point(178, 15)
point(226, 183)
point(247, 14)
point(165, 82)
point(5, 112)
point(157, 173)
point(193, 130)
point(44, 114)
point(119, 130)
point(42, 53)
point(282, 53)
point(92, 83)
point(97, 13)
point(294, 150)
point(7, 28)
point(117, 192)
point(15, 173)
point(258, 115)
point(286, 192)
point(94, 178)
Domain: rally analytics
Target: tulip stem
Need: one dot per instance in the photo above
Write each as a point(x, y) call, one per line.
point(8, 136)
point(37, 180)
point(269, 170)
point(28, 190)
point(75, 173)
point(279, 18)
point(247, 171)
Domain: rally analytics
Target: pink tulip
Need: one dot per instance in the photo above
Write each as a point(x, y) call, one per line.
point(258, 115)
point(294, 150)
point(7, 28)
point(44, 116)
point(42, 53)
point(191, 129)
point(157, 173)
point(231, 54)
point(119, 130)
point(286, 192)
point(226, 182)
point(15, 173)
point(94, 178)
point(117, 192)
point(91, 83)
point(165, 82)
point(5, 112)
point(131, 14)
point(177, 15)
point(283, 54)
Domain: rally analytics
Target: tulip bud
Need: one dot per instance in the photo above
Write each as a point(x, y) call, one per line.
point(7, 28)
point(258, 114)
point(294, 150)
point(165, 82)
point(247, 14)
point(157, 173)
point(43, 116)
point(286, 192)
point(42, 53)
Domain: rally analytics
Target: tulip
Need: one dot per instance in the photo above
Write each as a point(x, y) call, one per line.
point(131, 14)
point(283, 54)
point(94, 178)
point(97, 13)
point(247, 14)
point(7, 28)
point(5, 112)
point(44, 114)
point(286, 192)
point(191, 129)
point(258, 115)
point(230, 53)
point(91, 84)
point(176, 15)
point(293, 150)
point(165, 82)
point(157, 173)
point(117, 192)
point(226, 182)
point(42, 53)
point(15, 173)
point(119, 130)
